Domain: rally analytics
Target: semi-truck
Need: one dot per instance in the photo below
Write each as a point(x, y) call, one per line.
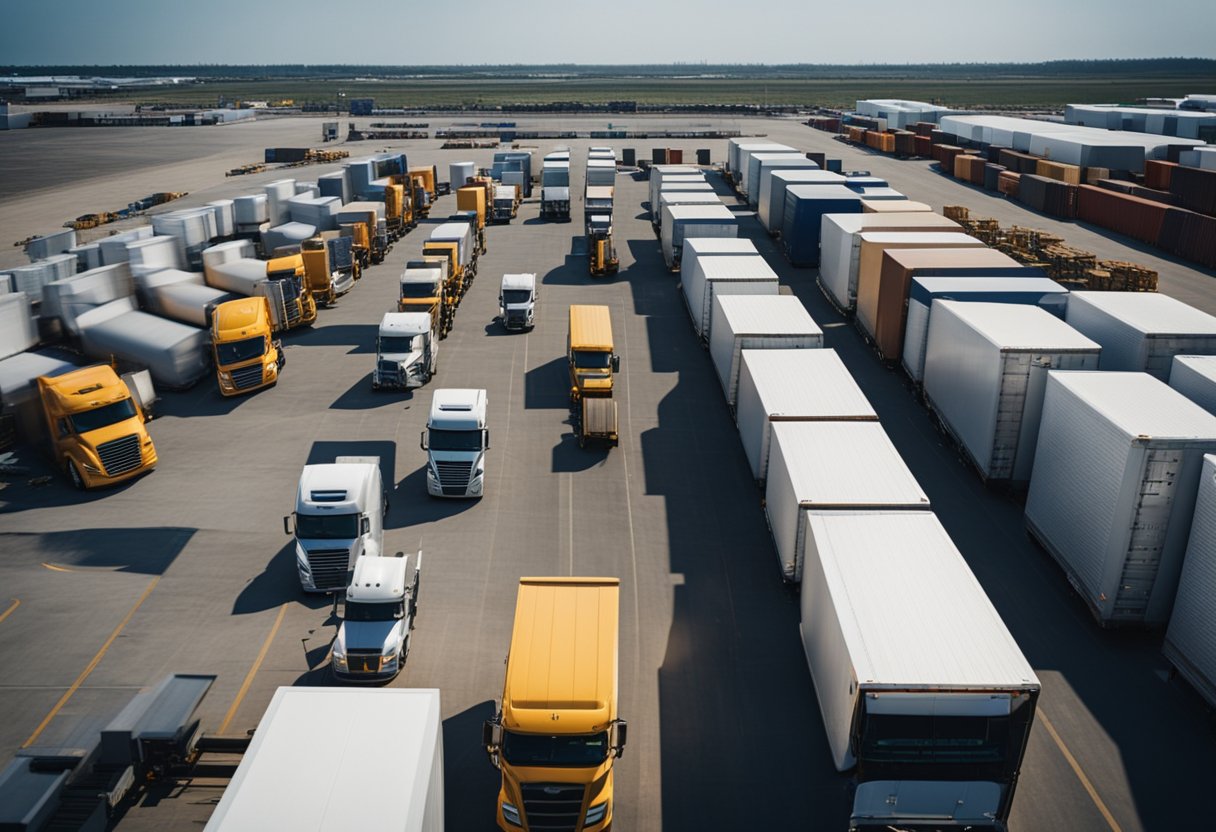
point(423, 288)
point(280, 281)
point(517, 301)
point(330, 267)
point(557, 733)
point(339, 517)
point(247, 357)
point(456, 440)
point(373, 640)
point(96, 428)
point(590, 352)
point(506, 203)
point(555, 190)
point(407, 351)
point(340, 758)
point(453, 240)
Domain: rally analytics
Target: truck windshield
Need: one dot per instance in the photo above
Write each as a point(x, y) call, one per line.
point(592, 360)
point(419, 290)
point(454, 440)
point(556, 179)
point(327, 526)
point(944, 740)
point(396, 344)
point(110, 414)
point(243, 350)
point(381, 611)
point(510, 297)
point(539, 750)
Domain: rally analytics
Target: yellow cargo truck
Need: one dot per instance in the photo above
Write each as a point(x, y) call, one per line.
point(289, 290)
point(590, 354)
point(246, 356)
point(557, 734)
point(398, 208)
point(448, 251)
point(96, 429)
point(472, 199)
point(424, 289)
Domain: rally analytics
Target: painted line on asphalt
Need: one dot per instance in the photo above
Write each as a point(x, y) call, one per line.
point(1077, 770)
point(55, 568)
point(253, 671)
point(63, 700)
point(16, 603)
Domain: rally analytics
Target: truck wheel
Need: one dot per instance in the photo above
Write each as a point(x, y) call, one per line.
point(74, 475)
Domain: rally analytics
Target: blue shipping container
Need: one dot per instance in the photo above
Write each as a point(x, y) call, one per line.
point(805, 206)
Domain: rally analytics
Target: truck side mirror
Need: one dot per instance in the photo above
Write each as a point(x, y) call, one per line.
point(287, 524)
point(422, 441)
point(365, 526)
point(622, 734)
point(485, 440)
point(491, 734)
point(616, 363)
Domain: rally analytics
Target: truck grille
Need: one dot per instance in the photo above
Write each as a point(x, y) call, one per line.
point(556, 807)
point(389, 369)
point(517, 320)
point(247, 377)
point(363, 661)
point(329, 567)
point(119, 456)
point(454, 477)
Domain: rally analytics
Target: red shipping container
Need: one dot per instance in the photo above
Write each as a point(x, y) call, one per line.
point(1157, 175)
point(1138, 218)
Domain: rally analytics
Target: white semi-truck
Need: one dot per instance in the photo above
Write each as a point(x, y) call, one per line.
point(407, 351)
point(378, 619)
point(555, 190)
point(335, 758)
point(456, 440)
point(517, 301)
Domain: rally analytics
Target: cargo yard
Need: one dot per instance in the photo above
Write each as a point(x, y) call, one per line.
point(734, 501)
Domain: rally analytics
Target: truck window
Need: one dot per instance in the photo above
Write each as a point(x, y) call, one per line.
point(592, 359)
point(565, 750)
point(327, 526)
point(949, 740)
point(396, 344)
point(511, 296)
point(439, 439)
point(243, 350)
point(418, 290)
point(110, 414)
point(384, 611)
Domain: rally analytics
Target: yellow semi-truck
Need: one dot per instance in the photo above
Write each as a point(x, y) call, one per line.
point(590, 353)
point(96, 429)
point(557, 733)
point(247, 357)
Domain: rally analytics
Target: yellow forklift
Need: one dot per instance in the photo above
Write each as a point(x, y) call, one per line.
point(602, 253)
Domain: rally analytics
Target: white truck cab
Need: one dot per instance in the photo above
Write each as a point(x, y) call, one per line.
point(339, 517)
point(381, 605)
point(407, 350)
point(456, 440)
point(517, 301)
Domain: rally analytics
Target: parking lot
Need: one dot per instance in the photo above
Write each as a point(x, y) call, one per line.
point(188, 569)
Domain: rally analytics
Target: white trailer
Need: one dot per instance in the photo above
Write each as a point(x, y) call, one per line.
point(683, 221)
point(761, 167)
point(177, 355)
point(831, 466)
point(902, 641)
point(18, 325)
point(724, 275)
point(985, 368)
point(740, 159)
point(684, 195)
point(71, 297)
point(1113, 488)
point(1142, 331)
point(756, 322)
point(1194, 376)
point(460, 233)
point(659, 174)
point(334, 759)
point(792, 386)
point(697, 247)
point(1190, 641)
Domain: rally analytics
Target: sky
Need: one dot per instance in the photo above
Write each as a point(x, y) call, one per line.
point(105, 32)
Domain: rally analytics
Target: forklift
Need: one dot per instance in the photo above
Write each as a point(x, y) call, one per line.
point(603, 260)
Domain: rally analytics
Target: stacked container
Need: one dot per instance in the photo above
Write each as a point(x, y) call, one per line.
point(792, 386)
point(756, 322)
point(1194, 376)
point(1113, 488)
point(718, 275)
point(1142, 330)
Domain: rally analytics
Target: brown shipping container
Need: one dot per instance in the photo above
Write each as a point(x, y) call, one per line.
point(924, 147)
point(1195, 188)
point(1058, 171)
point(924, 128)
point(1018, 162)
point(1189, 235)
point(1157, 174)
point(975, 172)
point(1123, 213)
point(893, 206)
point(962, 167)
point(1007, 183)
point(876, 301)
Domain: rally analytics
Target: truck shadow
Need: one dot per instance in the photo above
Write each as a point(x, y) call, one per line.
point(43, 485)
point(140, 551)
point(413, 506)
point(204, 399)
point(361, 396)
point(276, 584)
point(360, 337)
point(470, 782)
point(569, 458)
point(547, 386)
point(572, 272)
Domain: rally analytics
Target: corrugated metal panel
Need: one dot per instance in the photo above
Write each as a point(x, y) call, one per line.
point(1190, 641)
point(761, 165)
point(1194, 376)
point(742, 321)
point(738, 268)
point(1142, 330)
point(680, 221)
point(792, 385)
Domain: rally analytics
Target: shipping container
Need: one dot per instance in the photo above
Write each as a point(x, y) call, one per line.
point(31, 278)
point(831, 466)
point(43, 246)
point(697, 247)
point(761, 167)
point(225, 217)
point(784, 385)
point(755, 322)
point(18, 388)
point(805, 206)
point(176, 354)
point(679, 196)
point(153, 254)
point(335, 184)
point(277, 194)
point(1190, 639)
point(893, 206)
point(1022, 285)
point(18, 326)
point(1141, 331)
point(1194, 376)
point(660, 172)
point(68, 299)
point(287, 234)
point(250, 212)
point(723, 274)
point(738, 151)
point(459, 173)
point(319, 212)
point(986, 366)
point(1113, 488)
point(771, 210)
point(683, 221)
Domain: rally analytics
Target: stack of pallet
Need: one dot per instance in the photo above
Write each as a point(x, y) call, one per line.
point(1119, 276)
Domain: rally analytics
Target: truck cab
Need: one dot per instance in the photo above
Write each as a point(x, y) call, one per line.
point(247, 358)
point(422, 288)
point(381, 603)
point(96, 428)
point(505, 205)
point(461, 234)
point(555, 190)
point(329, 266)
point(456, 440)
point(590, 353)
point(339, 518)
point(407, 351)
point(517, 301)
point(288, 289)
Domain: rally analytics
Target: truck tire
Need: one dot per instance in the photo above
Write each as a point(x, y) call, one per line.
point(74, 476)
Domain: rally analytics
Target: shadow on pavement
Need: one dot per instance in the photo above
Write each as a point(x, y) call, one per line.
point(278, 583)
point(141, 551)
point(547, 386)
point(569, 458)
point(361, 396)
point(361, 338)
point(470, 781)
point(412, 505)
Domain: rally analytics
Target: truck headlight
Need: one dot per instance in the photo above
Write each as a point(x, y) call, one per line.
point(510, 814)
point(339, 658)
point(92, 469)
point(596, 813)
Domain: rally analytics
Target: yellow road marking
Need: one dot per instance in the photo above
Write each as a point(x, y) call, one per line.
point(55, 568)
point(253, 671)
point(16, 603)
point(1076, 769)
point(63, 700)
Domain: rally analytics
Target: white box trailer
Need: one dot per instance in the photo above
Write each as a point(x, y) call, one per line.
point(1142, 331)
point(459, 173)
point(1113, 488)
point(786, 385)
point(721, 275)
point(225, 217)
point(68, 299)
point(1027, 289)
point(672, 196)
point(660, 173)
point(986, 366)
point(831, 466)
point(153, 254)
point(181, 296)
point(696, 247)
point(762, 166)
point(459, 233)
point(19, 391)
point(901, 641)
point(177, 355)
point(741, 164)
point(756, 322)
point(771, 210)
point(1190, 640)
point(601, 171)
point(681, 221)
point(334, 759)
point(18, 327)
point(734, 147)
point(277, 194)
point(1194, 376)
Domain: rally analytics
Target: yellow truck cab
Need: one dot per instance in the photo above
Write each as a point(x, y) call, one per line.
point(450, 253)
point(423, 288)
point(96, 428)
point(289, 292)
point(557, 733)
point(590, 353)
point(246, 356)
